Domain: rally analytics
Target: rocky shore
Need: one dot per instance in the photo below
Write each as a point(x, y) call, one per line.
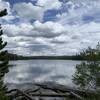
point(46, 91)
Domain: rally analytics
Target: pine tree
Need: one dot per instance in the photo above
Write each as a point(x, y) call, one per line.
point(3, 13)
point(3, 60)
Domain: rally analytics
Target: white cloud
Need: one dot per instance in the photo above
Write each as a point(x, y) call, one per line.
point(36, 37)
point(61, 39)
point(28, 11)
point(4, 5)
point(15, 30)
point(49, 29)
point(38, 29)
point(75, 29)
point(49, 4)
point(9, 16)
point(42, 38)
point(77, 11)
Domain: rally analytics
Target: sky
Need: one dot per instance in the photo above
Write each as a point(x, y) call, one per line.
point(50, 27)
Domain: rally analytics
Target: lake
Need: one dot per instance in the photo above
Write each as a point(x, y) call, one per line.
point(32, 71)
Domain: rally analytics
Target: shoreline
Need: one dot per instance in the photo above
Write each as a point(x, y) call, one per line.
point(54, 90)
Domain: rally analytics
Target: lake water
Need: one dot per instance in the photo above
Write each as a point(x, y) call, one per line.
point(31, 71)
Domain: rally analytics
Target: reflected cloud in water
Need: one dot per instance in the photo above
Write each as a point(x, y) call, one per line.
point(31, 71)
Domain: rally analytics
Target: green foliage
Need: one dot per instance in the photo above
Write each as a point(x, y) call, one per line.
point(87, 75)
point(3, 62)
point(91, 54)
point(3, 13)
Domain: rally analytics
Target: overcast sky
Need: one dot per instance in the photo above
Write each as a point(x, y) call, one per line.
point(50, 27)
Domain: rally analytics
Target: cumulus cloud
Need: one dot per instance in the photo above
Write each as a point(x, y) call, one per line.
point(49, 4)
point(16, 30)
point(77, 26)
point(49, 29)
point(37, 29)
point(28, 11)
point(35, 37)
point(42, 38)
point(61, 39)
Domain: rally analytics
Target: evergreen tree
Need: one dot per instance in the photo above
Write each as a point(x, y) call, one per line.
point(90, 53)
point(87, 73)
point(3, 61)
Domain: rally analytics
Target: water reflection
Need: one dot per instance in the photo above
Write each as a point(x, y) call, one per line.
point(87, 75)
point(31, 71)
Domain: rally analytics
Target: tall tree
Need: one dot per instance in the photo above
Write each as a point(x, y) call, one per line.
point(3, 60)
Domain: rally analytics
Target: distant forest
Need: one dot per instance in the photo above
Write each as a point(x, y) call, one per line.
point(20, 57)
point(93, 54)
